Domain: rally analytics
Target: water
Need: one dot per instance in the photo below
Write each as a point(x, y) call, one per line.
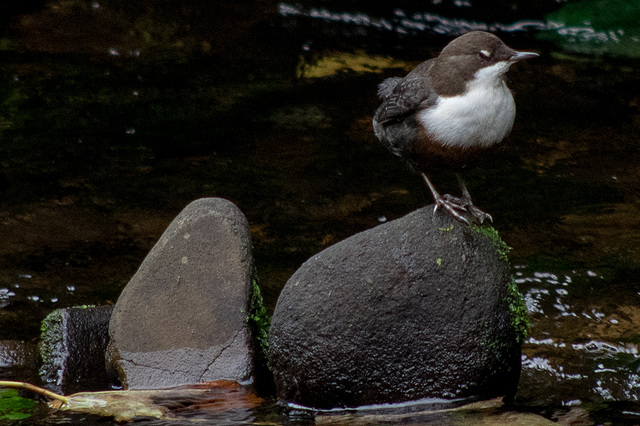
point(104, 139)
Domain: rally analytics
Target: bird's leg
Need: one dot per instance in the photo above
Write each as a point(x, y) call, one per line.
point(468, 204)
point(447, 202)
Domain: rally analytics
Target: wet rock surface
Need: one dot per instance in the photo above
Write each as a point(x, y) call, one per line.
point(18, 355)
point(73, 344)
point(414, 308)
point(182, 317)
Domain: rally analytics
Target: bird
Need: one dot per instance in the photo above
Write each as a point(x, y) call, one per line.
point(449, 111)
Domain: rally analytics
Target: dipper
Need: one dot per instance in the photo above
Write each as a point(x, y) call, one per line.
point(449, 111)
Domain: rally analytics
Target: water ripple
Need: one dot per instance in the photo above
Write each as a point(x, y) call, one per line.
point(404, 23)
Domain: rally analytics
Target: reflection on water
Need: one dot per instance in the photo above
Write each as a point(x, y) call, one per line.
point(579, 350)
point(405, 23)
point(578, 27)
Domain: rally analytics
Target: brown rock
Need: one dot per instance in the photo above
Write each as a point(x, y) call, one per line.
point(182, 317)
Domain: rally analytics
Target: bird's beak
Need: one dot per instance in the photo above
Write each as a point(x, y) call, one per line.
point(520, 56)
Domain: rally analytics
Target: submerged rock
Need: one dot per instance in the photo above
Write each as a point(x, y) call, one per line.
point(419, 307)
point(183, 316)
point(18, 354)
point(72, 348)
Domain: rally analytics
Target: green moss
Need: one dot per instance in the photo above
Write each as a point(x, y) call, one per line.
point(518, 309)
point(82, 306)
point(52, 346)
point(491, 233)
point(515, 300)
point(258, 319)
point(51, 326)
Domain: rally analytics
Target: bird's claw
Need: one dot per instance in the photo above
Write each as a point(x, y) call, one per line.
point(451, 208)
point(480, 215)
point(456, 206)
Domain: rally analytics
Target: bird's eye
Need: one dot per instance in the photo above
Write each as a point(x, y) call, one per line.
point(485, 54)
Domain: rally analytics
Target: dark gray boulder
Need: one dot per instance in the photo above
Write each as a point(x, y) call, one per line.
point(72, 347)
point(419, 307)
point(183, 316)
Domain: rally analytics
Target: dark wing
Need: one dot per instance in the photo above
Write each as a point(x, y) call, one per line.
point(394, 122)
point(386, 87)
point(404, 96)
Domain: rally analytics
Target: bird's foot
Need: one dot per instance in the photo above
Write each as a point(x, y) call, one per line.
point(457, 205)
point(451, 205)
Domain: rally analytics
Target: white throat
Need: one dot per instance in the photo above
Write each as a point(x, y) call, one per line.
point(481, 117)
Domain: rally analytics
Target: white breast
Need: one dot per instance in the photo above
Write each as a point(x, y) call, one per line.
point(483, 116)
